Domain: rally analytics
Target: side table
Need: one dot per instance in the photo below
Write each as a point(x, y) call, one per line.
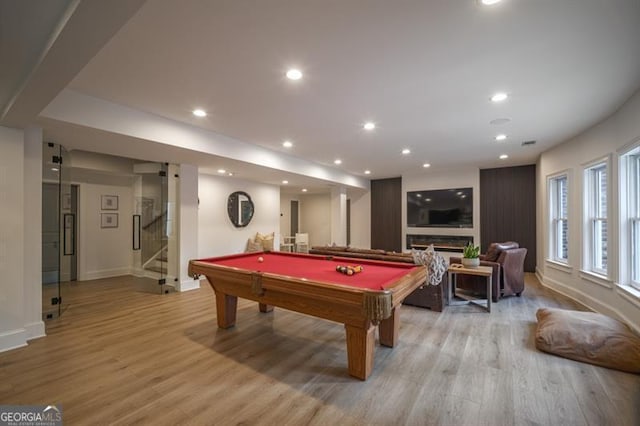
point(483, 271)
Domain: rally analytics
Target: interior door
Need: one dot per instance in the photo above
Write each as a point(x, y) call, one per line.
point(59, 226)
point(66, 228)
point(153, 210)
point(294, 217)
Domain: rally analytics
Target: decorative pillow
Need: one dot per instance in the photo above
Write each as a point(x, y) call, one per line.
point(436, 265)
point(266, 241)
point(418, 257)
point(253, 246)
point(588, 337)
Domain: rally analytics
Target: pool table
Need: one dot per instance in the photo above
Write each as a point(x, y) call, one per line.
point(311, 285)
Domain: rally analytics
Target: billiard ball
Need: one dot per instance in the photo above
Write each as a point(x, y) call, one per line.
point(260, 259)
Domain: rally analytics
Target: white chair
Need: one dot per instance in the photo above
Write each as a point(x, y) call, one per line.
point(287, 244)
point(302, 242)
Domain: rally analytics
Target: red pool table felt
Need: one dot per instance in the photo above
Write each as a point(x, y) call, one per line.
point(376, 275)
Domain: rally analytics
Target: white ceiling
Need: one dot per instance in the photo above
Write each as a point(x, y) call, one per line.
point(422, 70)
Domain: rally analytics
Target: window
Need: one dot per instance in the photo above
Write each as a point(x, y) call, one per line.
point(558, 202)
point(596, 237)
point(630, 217)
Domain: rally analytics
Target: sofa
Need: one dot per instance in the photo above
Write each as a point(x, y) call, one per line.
point(425, 296)
point(507, 261)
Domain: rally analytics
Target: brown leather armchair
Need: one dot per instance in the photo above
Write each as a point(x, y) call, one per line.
point(507, 261)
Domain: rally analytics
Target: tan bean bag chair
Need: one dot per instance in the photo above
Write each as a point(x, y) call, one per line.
point(588, 337)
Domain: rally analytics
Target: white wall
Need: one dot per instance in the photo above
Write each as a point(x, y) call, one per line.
point(33, 232)
point(604, 139)
point(339, 215)
point(187, 210)
point(285, 212)
point(433, 179)
point(315, 218)
point(12, 332)
point(106, 163)
point(216, 234)
point(104, 252)
point(360, 218)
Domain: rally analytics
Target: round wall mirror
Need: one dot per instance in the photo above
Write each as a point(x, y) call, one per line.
point(240, 208)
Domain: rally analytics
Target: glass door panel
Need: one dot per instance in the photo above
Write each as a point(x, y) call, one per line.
point(66, 228)
point(59, 225)
point(152, 207)
point(50, 231)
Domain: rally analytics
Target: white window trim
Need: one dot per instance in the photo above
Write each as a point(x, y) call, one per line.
point(632, 288)
point(563, 264)
point(560, 266)
point(596, 279)
point(587, 222)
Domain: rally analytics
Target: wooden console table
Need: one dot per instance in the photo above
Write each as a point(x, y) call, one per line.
point(483, 271)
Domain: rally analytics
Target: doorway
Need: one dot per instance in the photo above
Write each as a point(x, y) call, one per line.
point(294, 217)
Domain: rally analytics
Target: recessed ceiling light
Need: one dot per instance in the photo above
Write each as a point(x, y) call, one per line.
point(229, 174)
point(489, 2)
point(294, 74)
point(287, 144)
point(459, 193)
point(406, 151)
point(304, 189)
point(337, 161)
point(54, 169)
point(419, 195)
point(504, 156)
point(369, 125)
point(426, 165)
point(501, 137)
point(367, 172)
point(285, 182)
point(199, 113)
point(499, 97)
point(222, 171)
point(427, 199)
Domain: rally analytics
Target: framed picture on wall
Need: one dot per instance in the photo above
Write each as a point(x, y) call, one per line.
point(108, 220)
point(109, 202)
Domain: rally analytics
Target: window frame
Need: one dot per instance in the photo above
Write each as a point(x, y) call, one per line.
point(556, 218)
point(595, 216)
point(629, 213)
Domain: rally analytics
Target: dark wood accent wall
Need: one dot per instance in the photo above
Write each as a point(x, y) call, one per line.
point(386, 214)
point(508, 208)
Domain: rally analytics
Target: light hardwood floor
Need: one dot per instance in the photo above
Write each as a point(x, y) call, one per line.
point(122, 355)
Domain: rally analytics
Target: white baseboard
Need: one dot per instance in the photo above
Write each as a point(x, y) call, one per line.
point(35, 330)
point(189, 284)
point(13, 339)
point(104, 273)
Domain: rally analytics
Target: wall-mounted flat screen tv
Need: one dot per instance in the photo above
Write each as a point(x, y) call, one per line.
point(440, 208)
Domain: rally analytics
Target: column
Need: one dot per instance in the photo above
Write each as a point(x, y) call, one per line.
point(339, 215)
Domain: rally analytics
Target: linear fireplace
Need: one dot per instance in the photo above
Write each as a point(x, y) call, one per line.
point(452, 243)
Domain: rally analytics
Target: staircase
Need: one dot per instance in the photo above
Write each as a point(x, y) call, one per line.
point(158, 262)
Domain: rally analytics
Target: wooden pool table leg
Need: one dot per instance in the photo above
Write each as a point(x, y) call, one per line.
point(360, 342)
point(226, 307)
point(265, 308)
point(388, 328)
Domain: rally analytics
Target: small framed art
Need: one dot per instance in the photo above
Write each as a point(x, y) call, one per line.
point(109, 202)
point(108, 220)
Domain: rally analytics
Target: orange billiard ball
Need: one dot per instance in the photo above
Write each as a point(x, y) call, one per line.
point(260, 259)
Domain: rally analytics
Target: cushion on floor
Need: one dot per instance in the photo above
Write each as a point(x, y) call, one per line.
point(588, 337)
